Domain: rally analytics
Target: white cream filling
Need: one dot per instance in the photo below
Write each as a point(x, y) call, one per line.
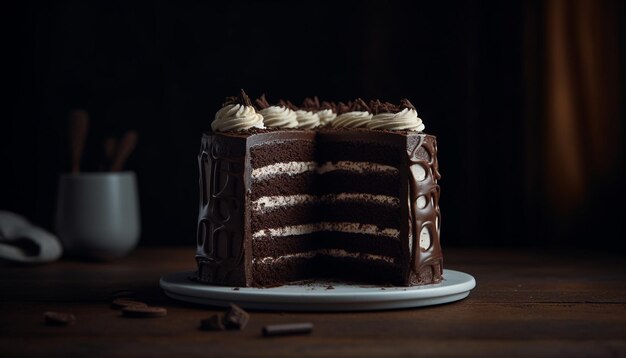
point(359, 167)
point(293, 168)
point(339, 253)
point(346, 227)
point(289, 168)
point(362, 197)
point(268, 203)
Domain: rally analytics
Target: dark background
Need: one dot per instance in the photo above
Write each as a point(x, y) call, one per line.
point(473, 69)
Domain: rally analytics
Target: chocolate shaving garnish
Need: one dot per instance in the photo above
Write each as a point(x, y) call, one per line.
point(405, 103)
point(359, 105)
point(343, 107)
point(383, 107)
point(261, 102)
point(376, 106)
point(242, 99)
point(287, 104)
point(329, 105)
point(309, 104)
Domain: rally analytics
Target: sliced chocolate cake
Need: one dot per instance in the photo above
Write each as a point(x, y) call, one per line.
point(342, 201)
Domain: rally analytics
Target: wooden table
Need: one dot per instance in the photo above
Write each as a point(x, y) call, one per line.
point(525, 303)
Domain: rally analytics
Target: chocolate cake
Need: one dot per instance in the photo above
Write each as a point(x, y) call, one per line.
point(355, 198)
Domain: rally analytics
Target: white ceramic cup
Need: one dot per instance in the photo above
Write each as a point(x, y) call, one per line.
point(97, 214)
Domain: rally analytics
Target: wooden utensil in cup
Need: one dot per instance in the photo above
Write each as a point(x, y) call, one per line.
point(78, 127)
point(124, 149)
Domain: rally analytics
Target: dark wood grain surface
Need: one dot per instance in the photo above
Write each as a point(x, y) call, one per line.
point(525, 303)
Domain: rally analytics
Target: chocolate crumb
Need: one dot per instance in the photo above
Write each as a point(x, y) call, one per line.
point(330, 287)
point(235, 288)
point(236, 318)
point(143, 312)
point(121, 303)
point(213, 323)
point(59, 318)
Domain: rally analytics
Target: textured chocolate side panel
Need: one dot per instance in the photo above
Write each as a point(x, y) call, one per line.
point(423, 175)
point(220, 247)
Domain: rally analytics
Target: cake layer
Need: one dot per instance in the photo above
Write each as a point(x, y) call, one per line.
point(303, 183)
point(283, 169)
point(352, 207)
point(279, 246)
point(285, 216)
point(340, 181)
point(330, 264)
point(282, 152)
point(357, 151)
point(382, 216)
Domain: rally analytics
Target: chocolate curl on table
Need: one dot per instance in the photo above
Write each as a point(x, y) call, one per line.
point(242, 99)
point(125, 148)
point(78, 127)
point(287, 329)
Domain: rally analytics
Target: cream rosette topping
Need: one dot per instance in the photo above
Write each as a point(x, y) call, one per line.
point(326, 116)
point(237, 114)
point(279, 116)
point(355, 115)
point(391, 118)
point(325, 110)
point(307, 119)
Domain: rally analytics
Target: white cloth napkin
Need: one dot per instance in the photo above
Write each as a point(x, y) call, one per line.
point(16, 231)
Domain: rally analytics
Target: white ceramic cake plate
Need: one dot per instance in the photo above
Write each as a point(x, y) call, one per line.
point(319, 296)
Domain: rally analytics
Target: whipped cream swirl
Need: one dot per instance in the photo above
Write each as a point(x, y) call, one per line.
point(236, 117)
point(326, 116)
point(355, 119)
point(406, 119)
point(279, 117)
point(307, 119)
